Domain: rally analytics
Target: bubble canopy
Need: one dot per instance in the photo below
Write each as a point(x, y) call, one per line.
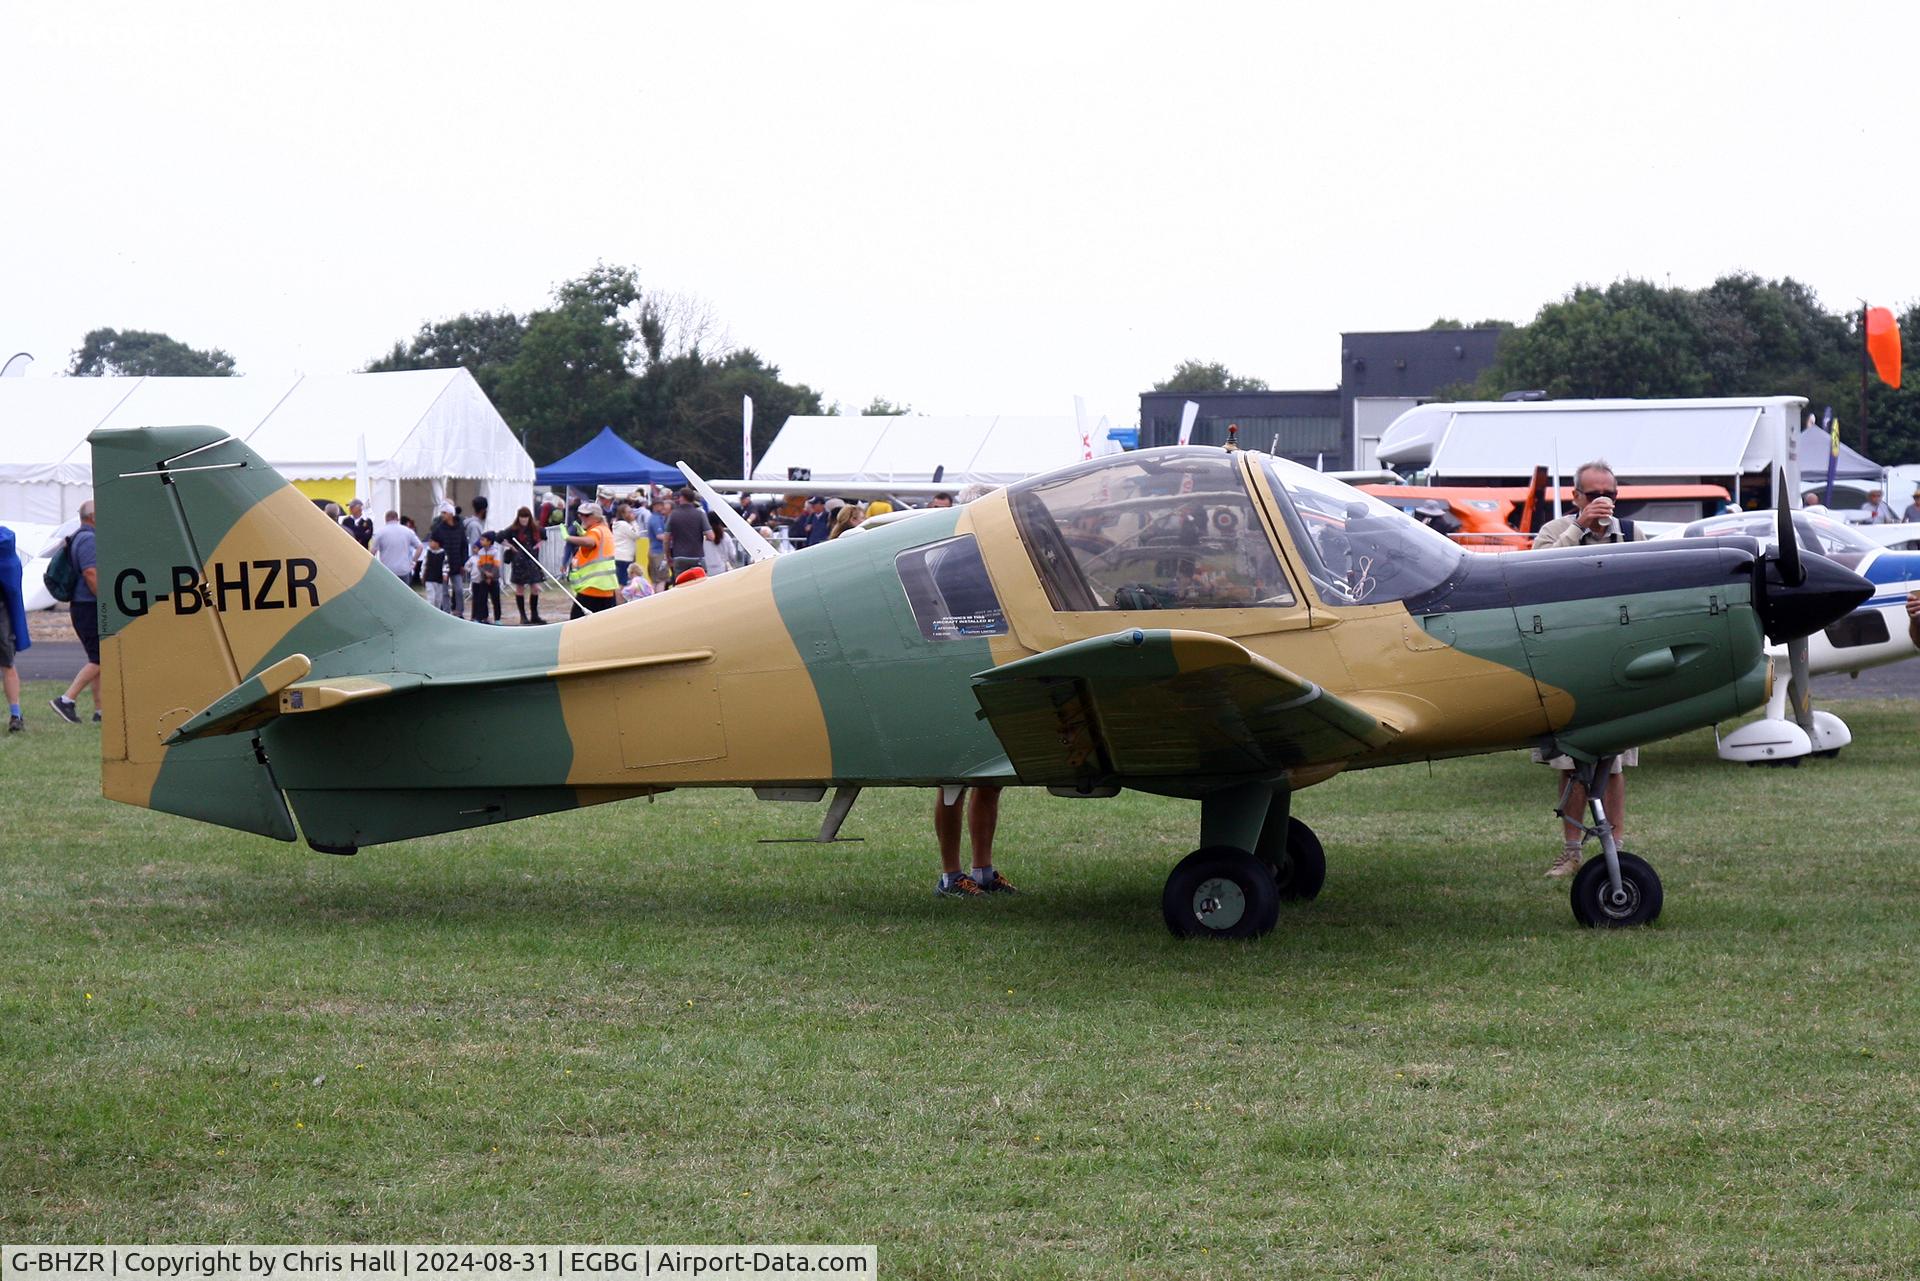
point(1178, 529)
point(1358, 549)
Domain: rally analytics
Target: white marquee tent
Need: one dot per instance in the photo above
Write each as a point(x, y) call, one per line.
point(422, 435)
point(995, 450)
point(1644, 441)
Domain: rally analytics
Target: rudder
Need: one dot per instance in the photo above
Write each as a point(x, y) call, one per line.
point(211, 568)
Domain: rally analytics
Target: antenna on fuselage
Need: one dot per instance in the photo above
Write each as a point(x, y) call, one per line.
point(1556, 478)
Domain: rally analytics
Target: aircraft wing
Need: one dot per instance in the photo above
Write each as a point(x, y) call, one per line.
point(859, 489)
point(1164, 704)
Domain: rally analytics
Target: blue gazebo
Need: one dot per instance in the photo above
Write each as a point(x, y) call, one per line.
point(608, 460)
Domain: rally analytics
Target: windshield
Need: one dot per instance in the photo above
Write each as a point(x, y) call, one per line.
point(1359, 550)
point(1155, 529)
point(1833, 539)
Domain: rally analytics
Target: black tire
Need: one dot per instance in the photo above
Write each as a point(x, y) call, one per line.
point(1592, 894)
point(1831, 754)
point(1296, 859)
point(1220, 892)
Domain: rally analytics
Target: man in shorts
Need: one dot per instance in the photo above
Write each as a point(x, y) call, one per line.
point(86, 622)
point(1591, 523)
point(980, 815)
point(1613, 796)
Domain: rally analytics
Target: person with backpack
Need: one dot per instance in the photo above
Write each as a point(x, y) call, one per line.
point(85, 584)
point(13, 628)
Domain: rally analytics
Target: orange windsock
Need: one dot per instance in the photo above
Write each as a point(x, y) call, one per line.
point(1883, 344)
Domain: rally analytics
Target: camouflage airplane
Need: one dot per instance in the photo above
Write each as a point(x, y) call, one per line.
point(1194, 622)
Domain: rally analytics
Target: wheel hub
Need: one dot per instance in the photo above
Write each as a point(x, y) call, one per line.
point(1219, 904)
point(1621, 904)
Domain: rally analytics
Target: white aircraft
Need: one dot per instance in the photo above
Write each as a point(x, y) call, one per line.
point(1871, 636)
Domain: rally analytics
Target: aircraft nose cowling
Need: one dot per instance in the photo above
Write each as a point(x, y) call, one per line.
point(1825, 593)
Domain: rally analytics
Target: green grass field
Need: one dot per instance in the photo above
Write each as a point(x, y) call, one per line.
point(636, 1024)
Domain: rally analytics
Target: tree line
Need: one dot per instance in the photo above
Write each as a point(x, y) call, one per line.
point(658, 367)
point(1739, 336)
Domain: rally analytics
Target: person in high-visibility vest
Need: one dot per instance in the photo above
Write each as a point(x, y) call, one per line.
point(592, 577)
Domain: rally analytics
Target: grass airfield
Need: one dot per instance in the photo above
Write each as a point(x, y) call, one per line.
point(634, 1023)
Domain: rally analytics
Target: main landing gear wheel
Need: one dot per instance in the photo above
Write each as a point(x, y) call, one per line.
point(1594, 902)
point(1297, 861)
point(1220, 892)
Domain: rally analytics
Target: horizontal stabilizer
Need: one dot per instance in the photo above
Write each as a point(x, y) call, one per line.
point(1165, 704)
point(247, 706)
point(280, 691)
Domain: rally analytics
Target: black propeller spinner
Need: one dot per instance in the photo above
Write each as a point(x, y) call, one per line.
point(1798, 595)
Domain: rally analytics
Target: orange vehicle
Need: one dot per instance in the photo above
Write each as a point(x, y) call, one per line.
point(1504, 518)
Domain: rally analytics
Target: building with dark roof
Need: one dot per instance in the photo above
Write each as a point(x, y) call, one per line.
point(1382, 374)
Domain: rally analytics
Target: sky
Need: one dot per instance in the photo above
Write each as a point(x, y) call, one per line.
point(968, 208)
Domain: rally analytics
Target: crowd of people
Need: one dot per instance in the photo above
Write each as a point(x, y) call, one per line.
point(619, 547)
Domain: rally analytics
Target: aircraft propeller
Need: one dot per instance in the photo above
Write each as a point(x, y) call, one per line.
point(1793, 574)
point(1798, 595)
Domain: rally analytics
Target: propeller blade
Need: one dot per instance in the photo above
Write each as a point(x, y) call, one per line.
point(1792, 572)
point(1799, 692)
point(1188, 412)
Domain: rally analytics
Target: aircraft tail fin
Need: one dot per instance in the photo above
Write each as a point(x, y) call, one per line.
point(213, 570)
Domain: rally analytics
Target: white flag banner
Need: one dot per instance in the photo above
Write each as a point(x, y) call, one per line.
point(746, 437)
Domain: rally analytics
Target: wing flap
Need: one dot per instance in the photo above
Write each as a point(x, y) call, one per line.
point(1165, 704)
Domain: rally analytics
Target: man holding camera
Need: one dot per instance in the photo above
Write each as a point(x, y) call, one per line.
point(1592, 521)
point(1591, 524)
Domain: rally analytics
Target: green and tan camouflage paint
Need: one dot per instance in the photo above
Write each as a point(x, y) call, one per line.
point(376, 717)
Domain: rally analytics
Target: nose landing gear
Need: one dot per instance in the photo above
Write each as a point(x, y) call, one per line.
point(1597, 904)
point(1613, 889)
